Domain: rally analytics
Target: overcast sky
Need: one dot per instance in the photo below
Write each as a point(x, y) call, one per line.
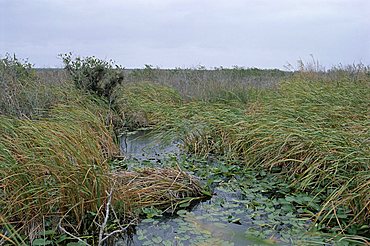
point(186, 33)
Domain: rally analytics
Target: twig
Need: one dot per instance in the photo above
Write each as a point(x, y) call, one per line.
point(70, 234)
point(102, 227)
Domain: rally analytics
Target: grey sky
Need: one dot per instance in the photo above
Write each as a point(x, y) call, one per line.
point(184, 33)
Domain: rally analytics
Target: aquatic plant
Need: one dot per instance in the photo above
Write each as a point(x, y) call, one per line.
point(312, 129)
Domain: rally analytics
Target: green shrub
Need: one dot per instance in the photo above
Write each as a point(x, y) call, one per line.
point(94, 75)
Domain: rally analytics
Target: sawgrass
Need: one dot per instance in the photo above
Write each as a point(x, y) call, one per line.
point(55, 158)
point(56, 143)
point(313, 129)
point(51, 166)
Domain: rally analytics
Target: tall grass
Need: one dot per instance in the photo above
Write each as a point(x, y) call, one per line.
point(313, 129)
point(138, 103)
point(50, 166)
point(204, 84)
point(191, 83)
point(23, 94)
point(55, 161)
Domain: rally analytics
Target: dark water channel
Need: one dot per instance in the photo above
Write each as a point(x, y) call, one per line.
point(144, 145)
point(232, 216)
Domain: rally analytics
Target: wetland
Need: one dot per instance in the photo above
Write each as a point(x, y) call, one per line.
point(98, 155)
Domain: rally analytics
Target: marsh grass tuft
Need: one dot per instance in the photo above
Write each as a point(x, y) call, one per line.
point(51, 166)
point(162, 188)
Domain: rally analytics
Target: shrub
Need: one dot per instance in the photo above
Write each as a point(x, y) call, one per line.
point(94, 75)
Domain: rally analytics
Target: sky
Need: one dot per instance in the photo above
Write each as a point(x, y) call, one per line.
point(188, 33)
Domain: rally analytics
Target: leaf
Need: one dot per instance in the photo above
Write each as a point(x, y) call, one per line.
point(141, 237)
point(79, 243)
point(167, 243)
point(41, 241)
point(147, 220)
point(62, 238)
point(207, 193)
point(146, 243)
point(46, 233)
point(364, 227)
point(184, 205)
point(157, 239)
point(181, 212)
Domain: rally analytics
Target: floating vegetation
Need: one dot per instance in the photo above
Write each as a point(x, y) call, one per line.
point(314, 133)
point(247, 207)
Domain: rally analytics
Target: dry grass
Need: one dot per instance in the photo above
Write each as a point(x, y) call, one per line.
point(160, 188)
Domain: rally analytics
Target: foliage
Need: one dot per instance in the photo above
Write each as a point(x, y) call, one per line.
point(93, 75)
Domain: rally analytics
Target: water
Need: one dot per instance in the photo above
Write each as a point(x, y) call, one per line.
point(222, 220)
point(237, 214)
point(145, 145)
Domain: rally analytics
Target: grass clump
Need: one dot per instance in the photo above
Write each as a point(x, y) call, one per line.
point(51, 167)
point(317, 133)
point(162, 188)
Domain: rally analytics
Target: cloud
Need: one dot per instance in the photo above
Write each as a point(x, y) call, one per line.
point(173, 33)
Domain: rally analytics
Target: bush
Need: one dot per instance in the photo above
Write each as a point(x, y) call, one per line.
point(94, 75)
